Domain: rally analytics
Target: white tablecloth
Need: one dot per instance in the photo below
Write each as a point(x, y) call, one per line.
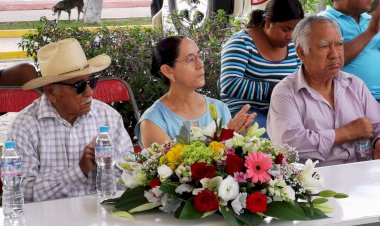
point(361, 181)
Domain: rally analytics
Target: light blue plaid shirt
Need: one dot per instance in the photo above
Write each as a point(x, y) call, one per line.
point(51, 148)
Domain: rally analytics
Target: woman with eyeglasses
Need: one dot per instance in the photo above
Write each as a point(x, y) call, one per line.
point(254, 60)
point(178, 61)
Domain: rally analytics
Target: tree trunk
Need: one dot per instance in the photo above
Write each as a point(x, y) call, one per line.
point(93, 11)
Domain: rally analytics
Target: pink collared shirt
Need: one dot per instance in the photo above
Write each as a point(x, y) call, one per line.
point(301, 117)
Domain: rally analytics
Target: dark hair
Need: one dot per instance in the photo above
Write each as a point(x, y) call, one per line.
point(277, 11)
point(165, 52)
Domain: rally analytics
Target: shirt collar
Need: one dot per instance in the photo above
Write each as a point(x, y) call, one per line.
point(363, 16)
point(342, 78)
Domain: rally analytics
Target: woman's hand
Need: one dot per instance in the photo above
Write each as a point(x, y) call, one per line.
point(242, 121)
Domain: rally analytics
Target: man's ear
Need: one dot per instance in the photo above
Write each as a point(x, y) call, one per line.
point(167, 71)
point(50, 93)
point(300, 53)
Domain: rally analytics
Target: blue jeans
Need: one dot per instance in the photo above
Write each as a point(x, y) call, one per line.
point(261, 118)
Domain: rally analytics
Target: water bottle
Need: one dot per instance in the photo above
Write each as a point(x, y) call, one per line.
point(104, 151)
point(363, 150)
point(13, 199)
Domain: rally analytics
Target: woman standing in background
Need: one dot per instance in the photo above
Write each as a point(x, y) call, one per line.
point(254, 60)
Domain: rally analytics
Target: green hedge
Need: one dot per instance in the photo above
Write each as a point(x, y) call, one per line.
point(130, 50)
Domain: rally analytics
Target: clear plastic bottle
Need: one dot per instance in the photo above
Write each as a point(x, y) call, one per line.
point(13, 199)
point(363, 150)
point(104, 156)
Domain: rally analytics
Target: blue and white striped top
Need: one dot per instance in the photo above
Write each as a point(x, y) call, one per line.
point(246, 77)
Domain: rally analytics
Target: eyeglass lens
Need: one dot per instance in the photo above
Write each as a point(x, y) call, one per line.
point(81, 86)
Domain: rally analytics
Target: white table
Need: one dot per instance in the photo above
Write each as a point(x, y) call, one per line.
point(361, 181)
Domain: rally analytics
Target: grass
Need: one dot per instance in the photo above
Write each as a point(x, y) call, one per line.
point(65, 23)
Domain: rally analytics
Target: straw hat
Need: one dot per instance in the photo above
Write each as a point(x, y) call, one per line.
point(64, 60)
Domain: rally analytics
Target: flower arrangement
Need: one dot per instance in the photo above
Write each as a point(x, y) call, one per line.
point(243, 177)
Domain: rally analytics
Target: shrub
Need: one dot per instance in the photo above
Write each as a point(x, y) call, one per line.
point(130, 50)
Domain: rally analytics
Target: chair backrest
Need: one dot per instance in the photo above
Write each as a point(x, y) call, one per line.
point(113, 89)
point(14, 99)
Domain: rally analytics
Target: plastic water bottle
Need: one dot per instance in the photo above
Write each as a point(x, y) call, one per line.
point(13, 199)
point(104, 156)
point(363, 150)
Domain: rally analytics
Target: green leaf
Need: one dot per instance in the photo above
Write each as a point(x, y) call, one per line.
point(327, 193)
point(124, 214)
point(324, 208)
point(229, 216)
point(146, 206)
point(184, 133)
point(286, 211)
point(168, 187)
point(251, 219)
point(110, 201)
point(125, 166)
point(188, 211)
point(131, 198)
point(320, 200)
point(340, 196)
point(314, 213)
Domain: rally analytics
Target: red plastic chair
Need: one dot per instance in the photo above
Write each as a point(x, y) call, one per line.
point(14, 99)
point(113, 89)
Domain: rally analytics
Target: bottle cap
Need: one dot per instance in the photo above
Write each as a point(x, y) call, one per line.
point(103, 129)
point(9, 144)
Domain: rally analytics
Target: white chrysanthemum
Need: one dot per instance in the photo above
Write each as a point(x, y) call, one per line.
point(197, 133)
point(184, 188)
point(239, 203)
point(228, 189)
point(290, 192)
point(164, 172)
point(154, 195)
point(279, 191)
point(238, 140)
point(183, 173)
point(135, 179)
point(211, 184)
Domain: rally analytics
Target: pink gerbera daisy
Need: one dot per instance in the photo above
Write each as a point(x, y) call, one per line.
point(257, 165)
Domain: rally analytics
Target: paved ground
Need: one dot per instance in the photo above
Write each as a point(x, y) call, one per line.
point(32, 10)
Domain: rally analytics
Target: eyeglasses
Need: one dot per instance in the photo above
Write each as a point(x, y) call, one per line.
point(81, 85)
point(192, 58)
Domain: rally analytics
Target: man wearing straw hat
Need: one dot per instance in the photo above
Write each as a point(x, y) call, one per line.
point(55, 134)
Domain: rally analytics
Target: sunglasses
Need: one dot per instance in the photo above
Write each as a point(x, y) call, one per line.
point(81, 85)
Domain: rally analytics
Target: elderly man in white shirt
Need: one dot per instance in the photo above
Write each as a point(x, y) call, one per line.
point(55, 134)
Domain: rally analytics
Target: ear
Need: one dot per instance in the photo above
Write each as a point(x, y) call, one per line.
point(300, 53)
point(50, 92)
point(167, 71)
point(267, 22)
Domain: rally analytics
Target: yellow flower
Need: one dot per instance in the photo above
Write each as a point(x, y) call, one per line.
point(217, 147)
point(213, 111)
point(174, 156)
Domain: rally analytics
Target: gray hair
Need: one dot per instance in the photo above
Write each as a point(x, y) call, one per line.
point(302, 32)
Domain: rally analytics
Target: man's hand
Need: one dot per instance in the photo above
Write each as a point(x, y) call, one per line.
point(374, 24)
point(360, 128)
point(242, 121)
point(88, 159)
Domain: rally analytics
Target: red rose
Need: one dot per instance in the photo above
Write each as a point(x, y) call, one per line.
point(206, 201)
point(234, 163)
point(200, 170)
point(279, 158)
point(154, 183)
point(224, 135)
point(257, 202)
